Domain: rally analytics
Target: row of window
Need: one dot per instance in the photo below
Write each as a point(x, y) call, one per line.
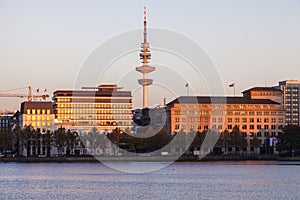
point(259, 113)
point(95, 123)
point(38, 118)
point(96, 105)
point(219, 127)
point(251, 106)
point(38, 111)
point(38, 124)
point(237, 120)
point(103, 117)
point(102, 111)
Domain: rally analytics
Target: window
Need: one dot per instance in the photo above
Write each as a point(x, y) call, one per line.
point(38, 111)
point(244, 127)
point(266, 126)
point(33, 111)
point(251, 113)
point(220, 120)
point(251, 127)
point(258, 134)
point(273, 126)
point(48, 111)
point(251, 120)
point(244, 120)
point(183, 120)
point(28, 111)
point(258, 120)
point(28, 118)
point(177, 119)
point(213, 119)
point(273, 120)
point(229, 126)
point(229, 120)
point(176, 126)
point(266, 134)
point(237, 120)
point(266, 120)
point(48, 124)
point(258, 113)
point(258, 126)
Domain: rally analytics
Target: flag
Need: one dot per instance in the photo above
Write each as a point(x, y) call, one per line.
point(187, 85)
point(231, 85)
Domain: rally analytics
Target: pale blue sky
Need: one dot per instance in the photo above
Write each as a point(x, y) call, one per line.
point(44, 43)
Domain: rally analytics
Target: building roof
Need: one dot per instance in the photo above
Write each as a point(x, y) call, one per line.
point(36, 105)
point(290, 83)
point(88, 93)
point(220, 100)
point(263, 89)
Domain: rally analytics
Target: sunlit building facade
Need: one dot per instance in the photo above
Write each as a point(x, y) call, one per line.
point(262, 118)
point(38, 115)
point(105, 107)
point(291, 99)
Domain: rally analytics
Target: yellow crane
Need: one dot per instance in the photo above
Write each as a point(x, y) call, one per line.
point(30, 96)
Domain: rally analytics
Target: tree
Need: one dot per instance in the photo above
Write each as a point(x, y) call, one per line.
point(255, 143)
point(289, 140)
point(236, 139)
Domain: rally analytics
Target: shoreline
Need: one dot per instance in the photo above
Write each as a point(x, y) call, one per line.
point(145, 159)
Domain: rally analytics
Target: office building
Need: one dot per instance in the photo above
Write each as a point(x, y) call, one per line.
point(38, 115)
point(105, 107)
point(262, 118)
point(291, 98)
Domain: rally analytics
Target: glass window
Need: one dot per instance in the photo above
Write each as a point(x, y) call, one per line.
point(38, 111)
point(28, 111)
point(33, 111)
point(48, 111)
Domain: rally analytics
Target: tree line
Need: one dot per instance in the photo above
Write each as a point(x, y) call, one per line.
point(15, 140)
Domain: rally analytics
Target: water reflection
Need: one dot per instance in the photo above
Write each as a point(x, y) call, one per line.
point(205, 180)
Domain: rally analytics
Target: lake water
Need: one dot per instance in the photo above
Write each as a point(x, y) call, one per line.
point(204, 180)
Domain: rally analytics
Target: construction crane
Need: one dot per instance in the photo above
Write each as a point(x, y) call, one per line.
point(30, 96)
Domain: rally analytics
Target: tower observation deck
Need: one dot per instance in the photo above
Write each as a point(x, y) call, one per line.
point(145, 69)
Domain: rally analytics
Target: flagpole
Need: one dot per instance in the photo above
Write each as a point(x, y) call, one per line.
point(187, 89)
point(234, 90)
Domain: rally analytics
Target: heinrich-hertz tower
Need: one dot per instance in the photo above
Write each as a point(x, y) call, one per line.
point(145, 69)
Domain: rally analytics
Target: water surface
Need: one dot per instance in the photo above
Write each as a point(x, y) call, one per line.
point(204, 180)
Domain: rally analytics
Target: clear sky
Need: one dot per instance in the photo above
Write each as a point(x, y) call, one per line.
point(45, 43)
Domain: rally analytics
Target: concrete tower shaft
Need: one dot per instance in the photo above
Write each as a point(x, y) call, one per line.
point(145, 56)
